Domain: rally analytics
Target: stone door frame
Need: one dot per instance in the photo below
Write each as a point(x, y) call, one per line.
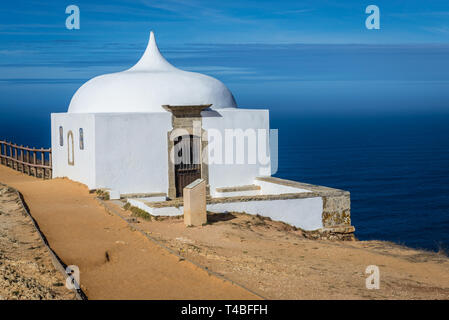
point(184, 117)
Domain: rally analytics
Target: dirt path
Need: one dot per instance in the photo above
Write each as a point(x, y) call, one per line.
point(278, 262)
point(26, 269)
point(115, 262)
point(270, 258)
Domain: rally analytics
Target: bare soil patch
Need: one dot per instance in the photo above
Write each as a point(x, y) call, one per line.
point(115, 261)
point(270, 258)
point(277, 261)
point(26, 270)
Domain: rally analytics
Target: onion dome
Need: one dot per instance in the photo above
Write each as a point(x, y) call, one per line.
point(149, 84)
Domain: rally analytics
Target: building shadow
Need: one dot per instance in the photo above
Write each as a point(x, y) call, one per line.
point(217, 217)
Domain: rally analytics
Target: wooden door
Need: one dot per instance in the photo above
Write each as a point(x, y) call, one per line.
point(188, 168)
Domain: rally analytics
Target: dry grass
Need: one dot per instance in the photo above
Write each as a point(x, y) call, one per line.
point(137, 212)
point(101, 194)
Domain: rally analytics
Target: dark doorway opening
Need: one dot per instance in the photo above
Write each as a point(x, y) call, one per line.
point(187, 161)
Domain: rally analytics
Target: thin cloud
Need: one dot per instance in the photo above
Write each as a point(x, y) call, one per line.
point(293, 12)
point(221, 70)
point(192, 10)
point(441, 29)
point(422, 14)
point(30, 25)
point(15, 52)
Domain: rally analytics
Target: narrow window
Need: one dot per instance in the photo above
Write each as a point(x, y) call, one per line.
point(61, 136)
point(71, 149)
point(81, 139)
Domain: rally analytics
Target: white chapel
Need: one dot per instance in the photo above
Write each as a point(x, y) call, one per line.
point(147, 132)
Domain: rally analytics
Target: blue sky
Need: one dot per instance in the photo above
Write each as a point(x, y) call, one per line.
point(289, 56)
point(232, 21)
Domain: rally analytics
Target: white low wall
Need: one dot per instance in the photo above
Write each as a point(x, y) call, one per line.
point(235, 193)
point(155, 198)
point(304, 213)
point(267, 188)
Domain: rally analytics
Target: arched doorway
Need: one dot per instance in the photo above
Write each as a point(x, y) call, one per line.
point(188, 161)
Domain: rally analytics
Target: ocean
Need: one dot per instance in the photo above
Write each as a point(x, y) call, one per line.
point(395, 166)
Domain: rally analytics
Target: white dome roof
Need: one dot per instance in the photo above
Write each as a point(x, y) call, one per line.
point(151, 83)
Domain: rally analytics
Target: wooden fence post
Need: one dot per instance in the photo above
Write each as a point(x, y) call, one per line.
point(10, 155)
point(43, 164)
point(15, 158)
point(35, 162)
point(21, 159)
point(50, 164)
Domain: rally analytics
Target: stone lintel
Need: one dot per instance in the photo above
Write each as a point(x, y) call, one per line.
point(186, 111)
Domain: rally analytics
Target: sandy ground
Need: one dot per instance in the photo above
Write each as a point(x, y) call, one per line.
point(269, 258)
point(277, 262)
point(115, 262)
point(26, 270)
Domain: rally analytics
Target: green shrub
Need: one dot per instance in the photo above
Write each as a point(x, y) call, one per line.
point(136, 212)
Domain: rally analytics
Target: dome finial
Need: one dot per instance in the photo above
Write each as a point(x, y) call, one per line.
point(152, 39)
point(152, 58)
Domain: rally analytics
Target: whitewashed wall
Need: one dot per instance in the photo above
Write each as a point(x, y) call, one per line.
point(83, 169)
point(131, 151)
point(127, 152)
point(229, 175)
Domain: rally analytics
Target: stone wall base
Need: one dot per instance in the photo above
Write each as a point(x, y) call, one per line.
point(340, 233)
